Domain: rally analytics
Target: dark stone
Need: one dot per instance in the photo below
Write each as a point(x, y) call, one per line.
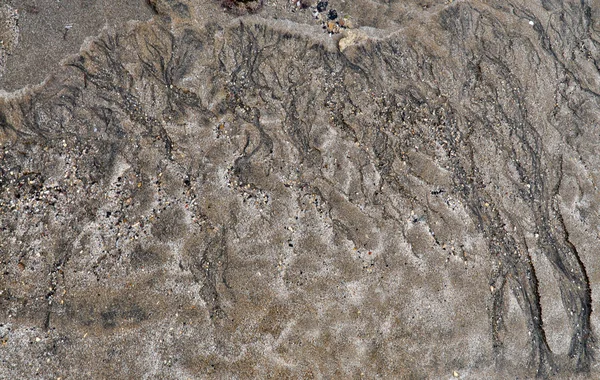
point(322, 6)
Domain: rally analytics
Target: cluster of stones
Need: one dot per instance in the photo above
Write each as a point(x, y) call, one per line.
point(331, 20)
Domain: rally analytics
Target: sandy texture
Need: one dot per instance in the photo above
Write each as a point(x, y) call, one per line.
point(229, 190)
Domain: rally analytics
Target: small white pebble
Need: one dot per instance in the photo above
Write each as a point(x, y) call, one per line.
point(531, 23)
